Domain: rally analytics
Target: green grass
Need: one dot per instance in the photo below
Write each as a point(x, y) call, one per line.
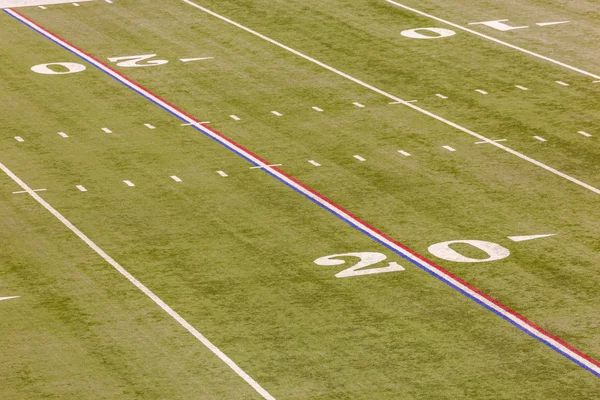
point(234, 256)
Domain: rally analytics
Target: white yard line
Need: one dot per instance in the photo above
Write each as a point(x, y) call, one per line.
point(129, 183)
point(481, 91)
point(81, 188)
point(149, 126)
point(584, 134)
point(359, 158)
point(222, 173)
point(441, 96)
point(449, 148)
point(493, 39)
point(541, 139)
point(561, 83)
point(313, 162)
point(19, 139)
point(235, 117)
point(473, 293)
point(140, 286)
point(175, 178)
point(277, 113)
point(106, 130)
point(359, 105)
point(317, 109)
point(395, 98)
point(404, 153)
point(521, 87)
point(62, 134)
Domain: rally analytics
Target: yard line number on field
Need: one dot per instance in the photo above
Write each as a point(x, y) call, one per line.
point(498, 24)
point(435, 270)
point(397, 99)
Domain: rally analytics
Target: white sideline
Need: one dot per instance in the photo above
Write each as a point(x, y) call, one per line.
point(493, 39)
point(140, 286)
point(390, 96)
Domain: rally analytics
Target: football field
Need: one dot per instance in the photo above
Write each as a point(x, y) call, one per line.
point(300, 199)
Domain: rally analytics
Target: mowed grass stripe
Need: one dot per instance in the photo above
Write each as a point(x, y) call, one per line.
point(400, 101)
point(488, 302)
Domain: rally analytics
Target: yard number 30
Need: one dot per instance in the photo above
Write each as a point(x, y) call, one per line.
point(365, 259)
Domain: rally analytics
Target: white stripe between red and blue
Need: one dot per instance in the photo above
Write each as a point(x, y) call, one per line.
point(456, 283)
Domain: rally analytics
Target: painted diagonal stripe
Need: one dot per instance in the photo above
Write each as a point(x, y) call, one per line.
point(430, 267)
point(493, 39)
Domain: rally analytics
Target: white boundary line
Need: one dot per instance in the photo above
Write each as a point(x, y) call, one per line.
point(493, 39)
point(397, 99)
point(435, 270)
point(139, 285)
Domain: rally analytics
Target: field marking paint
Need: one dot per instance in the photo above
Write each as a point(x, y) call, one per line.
point(81, 188)
point(395, 98)
point(551, 23)
point(584, 134)
point(359, 158)
point(541, 139)
point(62, 134)
point(265, 166)
point(157, 300)
point(9, 298)
point(493, 39)
point(441, 96)
point(198, 123)
point(108, 1)
point(106, 130)
point(76, 4)
point(30, 3)
point(19, 139)
point(313, 162)
point(149, 126)
point(359, 105)
point(129, 183)
point(481, 91)
point(562, 83)
point(36, 190)
point(176, 178)
point(521, 87)
point(429, 266)
point(222, 173)
point(530, 237)
point(449, 148)
point(495, 140)
point(185, 60)
point(317, 109)
point(235, 117)
point(277, 113)
point(42, 7)
point(404, 153)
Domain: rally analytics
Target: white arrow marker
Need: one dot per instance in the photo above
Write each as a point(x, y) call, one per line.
point(552, 23)
point(525, 238)
point(8, 298)
point(195, 59)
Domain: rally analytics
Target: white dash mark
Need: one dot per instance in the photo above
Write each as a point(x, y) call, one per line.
point(42, 7)
point(551, 23)
point(521, 87)
point(19, 139)
point(76, 4)
point(411, 101)
point(313, 162)
point(359, 158)
point(489, 141)
point(481, 91)
point(441, 96)
point(317, 109)
point(532, 237)
point(129, 183)
point(277, 113)
point(36, 190)
point(62, 134)
point(149, 126)
point(106, 130)
point(81, 188)
point(584, 134)
point(8, 298)
point(109, 1)
point(195, 59)
point(265, 166)
point(541, 139)
point(235, 117)
point(449, 148)
point(175, 178)
point(404, 153)
point(562, 83)
point(357, 104)
point(222, 173)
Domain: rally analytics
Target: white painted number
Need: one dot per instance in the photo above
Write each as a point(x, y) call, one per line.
point(444, 251)
point(433, 33)
point(60, 68)
point(136, 61)
point(366, 259)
